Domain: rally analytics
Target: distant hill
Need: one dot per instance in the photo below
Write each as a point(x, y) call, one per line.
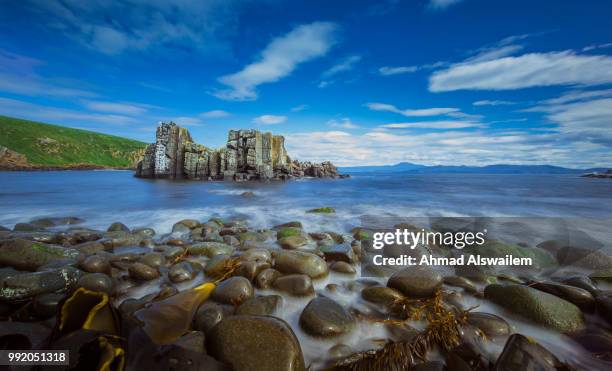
point(28, 144)
point(407, 167)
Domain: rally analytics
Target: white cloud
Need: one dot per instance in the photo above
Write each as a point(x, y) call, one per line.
point(528, 70)
point(449, 147)
point(269, 120)
point(442, 4)
point(346, 64)
point(388, 71)
point(586, 117)
point(411, 112)
point(62, 116)
point(186, 121)
point(279, 59)
point(299, 108)
point(136, 25)
point(432, 125)
point(121, 108)
point(343, 123)
point(214, 114)
point(492, 103)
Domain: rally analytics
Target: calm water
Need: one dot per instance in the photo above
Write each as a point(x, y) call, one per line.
point(102, 197)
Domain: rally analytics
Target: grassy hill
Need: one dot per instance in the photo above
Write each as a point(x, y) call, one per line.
point(46, 145)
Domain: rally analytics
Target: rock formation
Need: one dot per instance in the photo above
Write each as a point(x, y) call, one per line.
point(248, 155)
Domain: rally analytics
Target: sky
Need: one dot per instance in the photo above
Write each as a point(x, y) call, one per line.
point(451, 82)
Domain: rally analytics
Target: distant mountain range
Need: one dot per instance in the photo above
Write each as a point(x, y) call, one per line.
point(407, 167)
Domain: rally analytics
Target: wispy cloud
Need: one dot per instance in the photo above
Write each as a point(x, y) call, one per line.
point(474, 147)
point(124, 108)
point(432, 125)
point(411, 112)
point(299, 108)
point(269, 120)
point(388, 71)
point(487, 102)
point(344, 65)
point(62, 116)
point(441, 4)
point(279, 59)
point(525, 71)
point(214, 114)
point(343, 123)
point(135, 25)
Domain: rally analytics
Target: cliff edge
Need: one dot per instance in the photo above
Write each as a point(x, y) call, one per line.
point(248, 155)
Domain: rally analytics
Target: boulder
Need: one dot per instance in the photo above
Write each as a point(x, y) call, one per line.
point(256, 343)
point(301, 262)
point(324, 317)
point(416, 281)
point(29, 255)
point(19, 286)
point(541, 307)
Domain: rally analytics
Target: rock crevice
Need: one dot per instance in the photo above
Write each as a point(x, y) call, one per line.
point(248, 155)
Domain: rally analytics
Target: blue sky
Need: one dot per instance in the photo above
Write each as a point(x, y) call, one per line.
point(356, 82)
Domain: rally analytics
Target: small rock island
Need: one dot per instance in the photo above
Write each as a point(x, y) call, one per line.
point(248, 155)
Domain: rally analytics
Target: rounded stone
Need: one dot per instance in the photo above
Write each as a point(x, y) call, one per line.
point(45, 305)
point(490, 324)
point(97, 282)
point(342, 267)
point(293, 242)
point(324, 317)
point(381, 295)
point(266, 278)
point(118, 227)
point(143, 272)
point(294, 284)
point(96, 264)
point(302, 263)
point(260, 305)
point(418, 281)
point(210, 314)
point(234, 291)
point(181, 272)
point(152, 259)
point(256, 343)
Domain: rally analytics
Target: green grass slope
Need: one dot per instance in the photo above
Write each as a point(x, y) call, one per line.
point(57, 146)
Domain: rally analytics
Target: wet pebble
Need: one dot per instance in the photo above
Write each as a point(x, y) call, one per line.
point(417, 281)
point(97, 282)
point(490, 324)
point(181, 272)
point(96, 264)
point(210, 314)
point(260, 305)
point(324, 317)
point(342, 267)
point(152, 259)
point(301, 262)
point(142, 272)
point(234, 291)
point(266, 278)
point(294, 284)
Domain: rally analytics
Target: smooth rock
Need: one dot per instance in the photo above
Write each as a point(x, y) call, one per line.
point(118, 227)
point(210, 249)
point(382, 295)
point(152, 259)
point(143, 272)
point(580, 297)
point(342, 267)
point(266, 278)
point(210, 314)
point(294, 284)
point(97, 282)
point(582, 282)
point(521, 353)
point(96, 264)
point(256, 343)
point(293, 224)
point(181, 272)
point(343, 252)
point(584, 258)
point(260, 305)
point(538, 306)
point(293, 242)
point(324, 317)
point(27, 255)
point(302, 263)
point(216, 266)
point(416, 281)
point(18, 286)
point(257, 254)
point(234, 291)
point(490, 324)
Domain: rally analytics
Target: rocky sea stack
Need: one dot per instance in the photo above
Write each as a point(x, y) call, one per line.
point(248, 155)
